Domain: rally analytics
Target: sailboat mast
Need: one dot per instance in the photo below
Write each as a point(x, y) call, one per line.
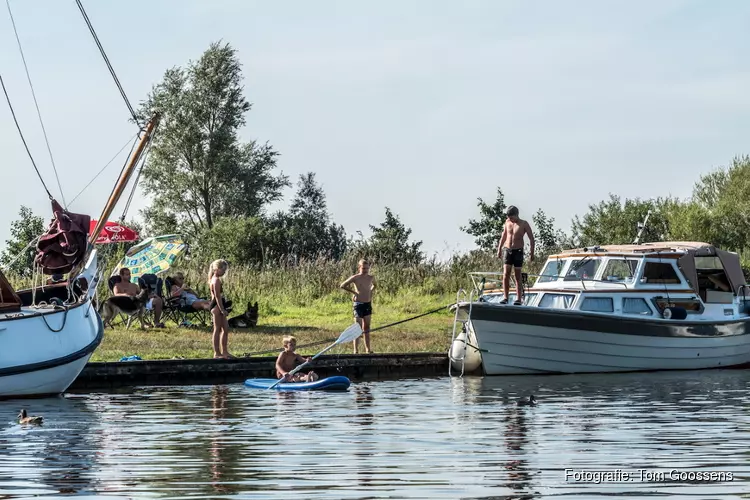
point(124, 177)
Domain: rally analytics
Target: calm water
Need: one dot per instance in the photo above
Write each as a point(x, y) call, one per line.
point(435, 438)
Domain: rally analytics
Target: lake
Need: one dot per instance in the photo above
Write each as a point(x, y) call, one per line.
point(432, 438)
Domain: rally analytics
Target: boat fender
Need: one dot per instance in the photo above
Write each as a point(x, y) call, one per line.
point(674, 313)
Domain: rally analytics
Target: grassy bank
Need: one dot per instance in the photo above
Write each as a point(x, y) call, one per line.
point(304, 299)
point(321, 320)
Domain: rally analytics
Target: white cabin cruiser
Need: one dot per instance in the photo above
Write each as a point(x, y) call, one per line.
point(616, 308)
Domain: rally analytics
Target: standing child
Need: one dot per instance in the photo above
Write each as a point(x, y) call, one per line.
point(218, 313)
point(288, 361)
point(364, 285)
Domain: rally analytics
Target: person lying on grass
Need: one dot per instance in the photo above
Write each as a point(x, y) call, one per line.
point(288, 360)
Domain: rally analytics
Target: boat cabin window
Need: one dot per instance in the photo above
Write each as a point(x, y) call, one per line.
point(598, 304)
point(660, 272)
point(556, 300)
point(551, 271)
point(582, 269)
point(619, 270)
point(713, 284)
point(636, 305)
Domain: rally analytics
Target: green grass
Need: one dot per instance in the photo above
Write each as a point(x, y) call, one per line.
point(324, 319)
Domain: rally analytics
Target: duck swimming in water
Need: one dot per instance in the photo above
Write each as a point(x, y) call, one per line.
point(530, 401)
point(23, 418)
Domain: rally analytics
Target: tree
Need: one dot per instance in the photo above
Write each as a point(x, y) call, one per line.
point(389, 243)
point(18, 256)
point(489, 228)
point(198, 170)
point(548, 239)
point(613, 221)
point(306, 231)
point(719, 213)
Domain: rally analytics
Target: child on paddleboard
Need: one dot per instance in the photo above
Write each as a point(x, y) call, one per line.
point(288, 360)
point(364, 285)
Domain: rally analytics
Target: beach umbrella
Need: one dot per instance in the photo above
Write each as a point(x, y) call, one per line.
point(113, 232)
point(154, 255)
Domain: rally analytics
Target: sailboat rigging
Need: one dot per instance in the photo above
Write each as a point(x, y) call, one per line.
point(49, 332)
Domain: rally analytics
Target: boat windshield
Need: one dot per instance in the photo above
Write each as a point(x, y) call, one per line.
point(583, 269)
point(552, 271)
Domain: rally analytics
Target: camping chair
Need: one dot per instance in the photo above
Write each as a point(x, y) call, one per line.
point(178, 311)
point(123, 318)
point(153, 284)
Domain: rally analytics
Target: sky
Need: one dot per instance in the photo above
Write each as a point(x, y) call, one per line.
point(422, 106)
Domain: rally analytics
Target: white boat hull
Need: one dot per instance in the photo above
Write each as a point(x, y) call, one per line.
point(514, 348)
point(36, 359)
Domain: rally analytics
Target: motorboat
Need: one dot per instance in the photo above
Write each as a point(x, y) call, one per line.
point(613, 308)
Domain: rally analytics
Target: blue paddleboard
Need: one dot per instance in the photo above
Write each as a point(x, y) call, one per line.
point(337, 383)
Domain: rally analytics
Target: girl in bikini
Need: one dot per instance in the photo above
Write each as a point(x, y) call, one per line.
point(219, 314)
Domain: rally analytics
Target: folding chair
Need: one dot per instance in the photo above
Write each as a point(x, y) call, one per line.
point(124, 319)
point(153, 284)
point(178, 311)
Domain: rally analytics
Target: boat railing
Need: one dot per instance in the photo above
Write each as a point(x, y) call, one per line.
point(479, 279)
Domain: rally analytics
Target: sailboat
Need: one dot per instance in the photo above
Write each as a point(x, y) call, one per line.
point(49, 332)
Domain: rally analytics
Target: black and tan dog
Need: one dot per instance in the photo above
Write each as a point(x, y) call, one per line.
point(248, 319)
point(129, 306)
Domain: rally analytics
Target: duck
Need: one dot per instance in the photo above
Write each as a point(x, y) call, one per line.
point(530, 401)
point(23, 418)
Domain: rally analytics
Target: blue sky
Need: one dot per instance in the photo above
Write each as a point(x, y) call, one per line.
point(422, 106)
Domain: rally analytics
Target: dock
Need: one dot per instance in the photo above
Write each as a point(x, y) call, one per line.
point(118, 374)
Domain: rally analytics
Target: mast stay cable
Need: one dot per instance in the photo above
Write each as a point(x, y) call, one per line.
point(36, 103)
point(109, 65)
point(23, 139)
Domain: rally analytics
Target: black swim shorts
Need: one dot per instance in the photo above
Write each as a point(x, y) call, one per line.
point(513, 257)
point(362, 309)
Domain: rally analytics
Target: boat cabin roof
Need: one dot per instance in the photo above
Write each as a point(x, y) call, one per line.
point(660, 247)
point(684, 252)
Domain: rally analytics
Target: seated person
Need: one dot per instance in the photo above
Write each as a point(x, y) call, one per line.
point(288, 360)
point(125, 287)
point(187, 294)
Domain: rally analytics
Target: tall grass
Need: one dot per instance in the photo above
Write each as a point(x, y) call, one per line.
point(316, 282)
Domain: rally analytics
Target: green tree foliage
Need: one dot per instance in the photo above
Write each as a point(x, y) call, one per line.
point(198, 170)
point(721, 214)
point(240, 241)
point(613, 221)
point(389, 243)
point(23, 231)
point(548, 239)
point(307, 228)
point(488, 229)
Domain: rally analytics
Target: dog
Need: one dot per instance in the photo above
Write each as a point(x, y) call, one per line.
point(130, 306)
point(247, 320)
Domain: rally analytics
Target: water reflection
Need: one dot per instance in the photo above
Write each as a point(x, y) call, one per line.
point(432, 438)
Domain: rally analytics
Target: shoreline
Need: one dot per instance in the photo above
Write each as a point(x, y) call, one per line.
point(120, 374)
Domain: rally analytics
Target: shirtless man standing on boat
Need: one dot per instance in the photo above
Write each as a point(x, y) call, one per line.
point(510, 250)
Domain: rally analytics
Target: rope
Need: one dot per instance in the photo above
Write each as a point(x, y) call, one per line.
point(109, 65)
point(22, 252)
point(36, 104)
point(13, 113)
point(135, 136)
point(328, 341)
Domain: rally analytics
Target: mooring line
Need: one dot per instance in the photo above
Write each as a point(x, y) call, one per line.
point(328, 341)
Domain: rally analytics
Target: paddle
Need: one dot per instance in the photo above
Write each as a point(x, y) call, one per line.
point(347, 335)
